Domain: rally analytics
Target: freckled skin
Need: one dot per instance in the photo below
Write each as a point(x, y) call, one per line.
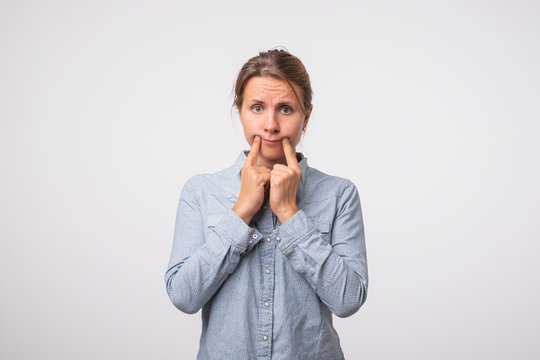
point(271, 110)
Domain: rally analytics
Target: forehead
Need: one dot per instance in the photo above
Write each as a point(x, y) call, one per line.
point(258, 87)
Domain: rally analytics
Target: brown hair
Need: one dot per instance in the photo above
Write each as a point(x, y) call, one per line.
point(277, 64)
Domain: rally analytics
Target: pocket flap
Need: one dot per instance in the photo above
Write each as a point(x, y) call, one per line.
point(323, 227)
point(212, 220)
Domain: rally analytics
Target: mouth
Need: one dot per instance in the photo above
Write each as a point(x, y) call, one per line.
point(271, 142)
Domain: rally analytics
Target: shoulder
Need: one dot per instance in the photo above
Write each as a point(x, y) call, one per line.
point(219, 181)
point(320, 184)
point(324, 197)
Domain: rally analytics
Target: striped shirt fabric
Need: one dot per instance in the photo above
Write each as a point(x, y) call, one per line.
point(268, 290)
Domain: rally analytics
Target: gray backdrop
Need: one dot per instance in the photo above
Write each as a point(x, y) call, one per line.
point(430, 108)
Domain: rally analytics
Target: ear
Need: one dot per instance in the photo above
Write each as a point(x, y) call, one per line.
point(306, 120)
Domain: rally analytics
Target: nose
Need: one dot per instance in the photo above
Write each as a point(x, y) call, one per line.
point(271, 124)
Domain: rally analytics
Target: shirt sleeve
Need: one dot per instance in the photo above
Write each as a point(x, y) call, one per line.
point(204, 253)
point(336, 268)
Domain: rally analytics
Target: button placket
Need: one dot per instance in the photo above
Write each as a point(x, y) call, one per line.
point(266, 251)
point(254, 236)
point(266, 316)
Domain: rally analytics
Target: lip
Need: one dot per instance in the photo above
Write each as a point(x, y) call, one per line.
point(272, 141)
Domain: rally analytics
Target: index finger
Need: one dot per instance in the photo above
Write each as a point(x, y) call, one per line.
point(290, 154)
point(254, 151)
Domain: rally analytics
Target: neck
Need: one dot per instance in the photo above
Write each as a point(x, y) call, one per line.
point(270, 163)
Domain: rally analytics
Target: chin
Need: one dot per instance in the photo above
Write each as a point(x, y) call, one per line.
point(272, 154)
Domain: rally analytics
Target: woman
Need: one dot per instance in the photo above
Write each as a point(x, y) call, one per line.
point(269, 248)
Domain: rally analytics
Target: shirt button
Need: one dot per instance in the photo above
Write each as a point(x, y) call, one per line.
point(267, 271)
point(265, 337)
point(268, 239)
point(278, 239)
point(254, 236)
point(265, 207)
point(266, 304)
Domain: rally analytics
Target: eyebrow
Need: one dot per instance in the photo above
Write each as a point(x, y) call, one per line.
point(281, 103)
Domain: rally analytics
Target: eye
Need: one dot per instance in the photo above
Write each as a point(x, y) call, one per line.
point(256, 108)
point(286, 109)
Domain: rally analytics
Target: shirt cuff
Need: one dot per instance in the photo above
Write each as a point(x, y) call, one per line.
point(293, 231)
point(232, 229)
point(299, 232)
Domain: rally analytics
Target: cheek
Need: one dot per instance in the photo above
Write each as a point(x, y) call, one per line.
point(295, 140)
point(248, 130)
point(295, 134)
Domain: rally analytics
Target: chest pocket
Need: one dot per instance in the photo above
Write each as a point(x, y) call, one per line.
point(212, 220)
point(210, 223)
point(325, 229)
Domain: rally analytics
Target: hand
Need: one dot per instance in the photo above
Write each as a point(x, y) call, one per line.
point(284, 184)
point(255, 180)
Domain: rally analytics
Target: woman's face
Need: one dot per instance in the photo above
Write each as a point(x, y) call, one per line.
point(270, 110)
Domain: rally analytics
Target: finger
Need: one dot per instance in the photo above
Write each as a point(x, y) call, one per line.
point(254, 151)
point(263, 170)
point(290, 154)
point(282, 172)
point(259, 174)
point(282, 169)
point(266, 180)
point(267, 176)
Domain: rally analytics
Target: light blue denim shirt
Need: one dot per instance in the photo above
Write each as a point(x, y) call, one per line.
point(268, 290)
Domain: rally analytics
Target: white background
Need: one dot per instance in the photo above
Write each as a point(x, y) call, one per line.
point(430, 108)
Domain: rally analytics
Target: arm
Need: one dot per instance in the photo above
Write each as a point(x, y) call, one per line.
point(203, 256)
point(337, 271)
